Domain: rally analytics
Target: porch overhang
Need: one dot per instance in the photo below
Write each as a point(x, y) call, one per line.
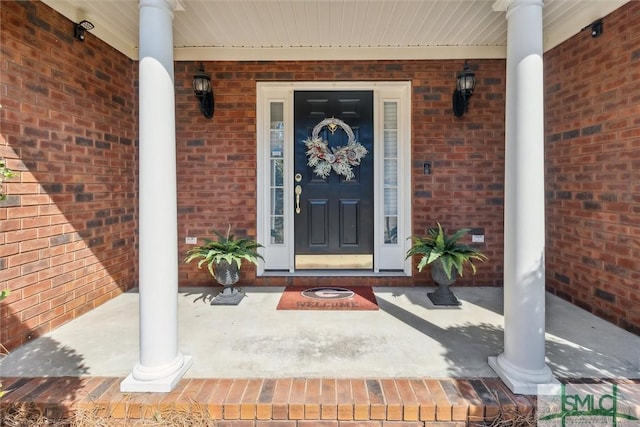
point(258, 30)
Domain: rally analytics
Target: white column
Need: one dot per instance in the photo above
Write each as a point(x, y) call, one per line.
point(522, 364)
point(160, 365)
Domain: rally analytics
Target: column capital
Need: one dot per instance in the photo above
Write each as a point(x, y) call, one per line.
point(506, 5)
point(170, 5)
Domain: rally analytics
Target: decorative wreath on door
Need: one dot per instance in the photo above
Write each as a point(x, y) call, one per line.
point(339, 159)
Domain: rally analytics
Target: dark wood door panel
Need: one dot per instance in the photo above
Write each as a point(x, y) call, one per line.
point(318, 215)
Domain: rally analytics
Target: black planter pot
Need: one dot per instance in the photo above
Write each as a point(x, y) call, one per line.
point(443, 295)
point(227, 274)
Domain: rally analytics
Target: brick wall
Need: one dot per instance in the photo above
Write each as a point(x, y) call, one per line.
point(592, 106)
point(69, 126)
point(217, 157)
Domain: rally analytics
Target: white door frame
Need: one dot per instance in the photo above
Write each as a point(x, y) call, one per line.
point(388, 257)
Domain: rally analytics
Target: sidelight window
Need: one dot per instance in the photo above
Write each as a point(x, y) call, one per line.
point(276, 181)
point(390, 154)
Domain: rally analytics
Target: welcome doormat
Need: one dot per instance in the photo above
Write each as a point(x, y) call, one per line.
point(328, 298)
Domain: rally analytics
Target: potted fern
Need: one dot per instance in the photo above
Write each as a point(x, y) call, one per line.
point(223, 258)
point(447, 258)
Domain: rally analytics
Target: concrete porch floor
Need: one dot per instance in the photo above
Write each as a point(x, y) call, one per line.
point(407, 338)
point(409, 364)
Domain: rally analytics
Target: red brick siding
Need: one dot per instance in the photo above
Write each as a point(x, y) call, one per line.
point(217, 157)
point(69, 126)
point(592, 106)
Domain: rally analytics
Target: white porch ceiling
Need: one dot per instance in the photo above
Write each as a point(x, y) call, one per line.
point(333, 29)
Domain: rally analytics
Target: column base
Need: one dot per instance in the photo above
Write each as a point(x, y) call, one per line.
point(160, 385)
point(518, 380)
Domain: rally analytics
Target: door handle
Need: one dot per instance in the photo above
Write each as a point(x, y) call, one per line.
point(298, 193)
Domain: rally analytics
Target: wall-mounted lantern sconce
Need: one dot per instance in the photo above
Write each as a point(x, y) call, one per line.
point(203, 90)
point(82, 27)
point(465, 84)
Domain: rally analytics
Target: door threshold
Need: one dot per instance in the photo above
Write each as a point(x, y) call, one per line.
point(333, 273)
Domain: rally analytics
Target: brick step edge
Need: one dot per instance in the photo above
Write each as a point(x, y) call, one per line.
point(285, 399)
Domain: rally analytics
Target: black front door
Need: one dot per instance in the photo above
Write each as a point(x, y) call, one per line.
point(333, 214)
